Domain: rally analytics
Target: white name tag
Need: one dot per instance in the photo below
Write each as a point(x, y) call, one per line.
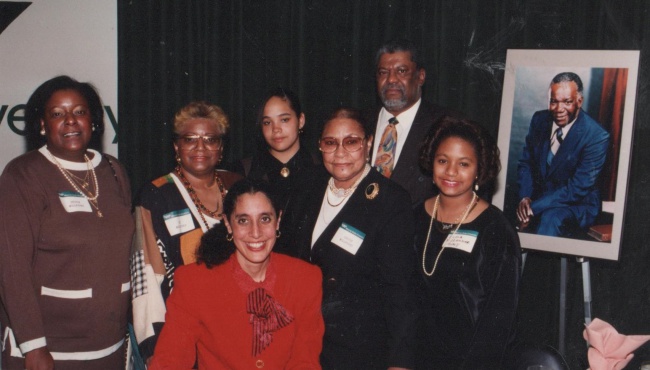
point(74, 202)
point(179, 221)
point(348, 238)
point(461, 239)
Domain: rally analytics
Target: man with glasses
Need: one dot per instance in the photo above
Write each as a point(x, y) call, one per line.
point(562, 159)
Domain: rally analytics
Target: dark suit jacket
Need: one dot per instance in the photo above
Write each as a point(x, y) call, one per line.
point(570, 180)
point(369, 299)
point(407, 172)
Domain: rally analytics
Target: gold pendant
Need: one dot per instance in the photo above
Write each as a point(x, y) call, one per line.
point(99, 213)
point(284, 172)
point(372, 190)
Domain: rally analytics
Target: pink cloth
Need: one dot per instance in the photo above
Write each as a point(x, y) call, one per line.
point(609, 350)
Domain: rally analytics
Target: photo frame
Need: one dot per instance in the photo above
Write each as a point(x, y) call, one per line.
point(609, 94)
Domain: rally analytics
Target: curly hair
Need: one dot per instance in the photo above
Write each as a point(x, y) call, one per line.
point(201, 109)
point(215, 249)
point(35, 108)
point(485, 148)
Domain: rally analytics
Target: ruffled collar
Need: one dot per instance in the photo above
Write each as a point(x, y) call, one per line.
point(246, 282)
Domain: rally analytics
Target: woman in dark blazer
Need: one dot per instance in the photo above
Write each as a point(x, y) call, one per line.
point(356, 225)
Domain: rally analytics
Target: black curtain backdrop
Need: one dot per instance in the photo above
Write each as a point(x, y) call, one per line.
point(231, 52)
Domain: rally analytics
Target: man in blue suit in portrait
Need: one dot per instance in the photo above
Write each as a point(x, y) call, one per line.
point(562, 159)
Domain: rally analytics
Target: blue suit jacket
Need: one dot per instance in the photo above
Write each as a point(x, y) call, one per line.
point(570, 180)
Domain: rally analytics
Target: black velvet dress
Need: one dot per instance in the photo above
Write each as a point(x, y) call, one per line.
point(470, 301)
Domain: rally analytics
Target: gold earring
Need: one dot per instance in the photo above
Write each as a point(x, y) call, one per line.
point(178, 159)
point(229, 237)
point(277, 233)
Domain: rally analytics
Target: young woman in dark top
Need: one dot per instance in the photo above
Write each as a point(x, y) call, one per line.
point(469, 254)
point(281, 159)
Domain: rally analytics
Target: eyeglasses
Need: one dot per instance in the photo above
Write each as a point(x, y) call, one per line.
point(351, 144)
point(191, 142)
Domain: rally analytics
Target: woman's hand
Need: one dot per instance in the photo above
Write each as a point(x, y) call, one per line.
point(39, 359)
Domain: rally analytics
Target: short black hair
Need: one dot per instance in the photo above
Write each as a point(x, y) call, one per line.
point(35, 108)
point(349, 113)
point(402, 45)
point(215, 249)
point(568, 77)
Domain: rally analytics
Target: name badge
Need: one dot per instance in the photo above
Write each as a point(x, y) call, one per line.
point(462, 239)
point(348, 238)
point(74, 202)
point(179, 221)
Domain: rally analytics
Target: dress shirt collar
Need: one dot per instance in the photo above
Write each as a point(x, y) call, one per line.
point(405, 119)
point(565, 129)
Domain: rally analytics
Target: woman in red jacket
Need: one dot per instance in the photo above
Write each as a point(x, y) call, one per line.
point(241, 306)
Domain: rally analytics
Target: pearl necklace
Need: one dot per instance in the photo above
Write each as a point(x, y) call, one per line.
point(346, 192)
point(468, 209)
point(92, 198)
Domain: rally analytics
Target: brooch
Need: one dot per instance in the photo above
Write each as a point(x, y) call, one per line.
point(372, 190)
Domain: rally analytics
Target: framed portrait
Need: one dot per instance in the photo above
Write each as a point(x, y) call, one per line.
point(565, 148)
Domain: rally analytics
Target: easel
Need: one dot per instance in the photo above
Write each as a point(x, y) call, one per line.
point(586, 288)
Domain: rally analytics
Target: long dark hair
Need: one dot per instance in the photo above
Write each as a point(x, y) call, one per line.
point(284, 94)
point(215, 249)
point(35, 109)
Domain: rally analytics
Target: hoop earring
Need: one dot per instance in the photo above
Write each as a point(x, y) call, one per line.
point(229, 237)
point(277, 233)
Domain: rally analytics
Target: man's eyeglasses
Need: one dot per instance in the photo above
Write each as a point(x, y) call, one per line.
point(351, 144)
point(190, 142)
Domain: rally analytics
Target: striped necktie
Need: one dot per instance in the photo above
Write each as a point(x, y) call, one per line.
point(556, 141)
point(385, 160)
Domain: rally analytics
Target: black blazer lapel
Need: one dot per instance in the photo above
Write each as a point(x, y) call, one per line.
point(569, 145)
point(348, 211)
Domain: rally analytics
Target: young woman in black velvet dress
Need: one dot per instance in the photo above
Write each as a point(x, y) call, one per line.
point(469, 254)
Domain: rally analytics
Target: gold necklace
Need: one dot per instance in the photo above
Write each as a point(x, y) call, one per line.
point(92, 198)
point(347, 191)
point(84, 183)
point(468, 209)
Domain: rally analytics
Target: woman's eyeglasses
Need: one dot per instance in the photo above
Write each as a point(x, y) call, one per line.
point(190, 142)
point(351, 144)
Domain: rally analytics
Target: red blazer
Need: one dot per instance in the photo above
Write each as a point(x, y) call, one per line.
point(207, 313)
